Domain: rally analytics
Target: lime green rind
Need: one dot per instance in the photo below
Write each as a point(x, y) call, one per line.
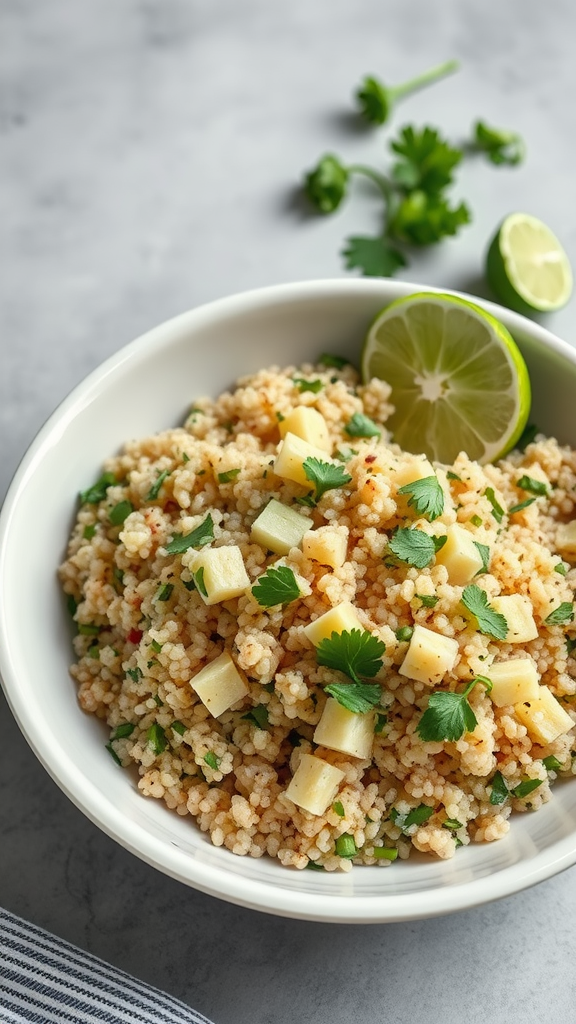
point(505, 283)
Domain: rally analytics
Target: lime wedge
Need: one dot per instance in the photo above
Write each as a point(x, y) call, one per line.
point(459, 382)
point(527, 267)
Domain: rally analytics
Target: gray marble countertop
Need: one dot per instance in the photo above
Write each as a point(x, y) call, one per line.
point(151, 150)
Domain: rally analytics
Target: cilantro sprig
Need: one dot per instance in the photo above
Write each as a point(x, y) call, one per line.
point(278, 585)
point(354, 652)
point(324, 475)
point(449, 714)
point(377, 100)
point(414, 547)
point(201, 535)
point(426, 496)
point(489, 621)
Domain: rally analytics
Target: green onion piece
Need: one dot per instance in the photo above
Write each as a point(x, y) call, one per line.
point(404, 633)
point(476, 520)
point(338, 809)
point(93, 651)
point(89, 531)
point(122, 731)
point(156, 738)
point(381, 720)
point(345, 846)
point(211, 760)
point(452, 823)
point(312, 866)
point(156, 646)
point(88, 629)
point(155, 489)
point(164, 593)
point(551, 763)
point(179, 727)
point(113, 753)
point(385, 853)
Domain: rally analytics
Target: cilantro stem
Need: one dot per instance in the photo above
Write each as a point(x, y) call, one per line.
point(382, 183)
point(421, 81)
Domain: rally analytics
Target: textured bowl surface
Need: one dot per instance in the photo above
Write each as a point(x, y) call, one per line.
point(148, 386)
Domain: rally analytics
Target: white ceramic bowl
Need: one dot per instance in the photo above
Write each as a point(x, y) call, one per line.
point(148, 386)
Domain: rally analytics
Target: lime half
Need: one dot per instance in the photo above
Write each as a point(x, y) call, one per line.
point(459, 382)
point(527, 267)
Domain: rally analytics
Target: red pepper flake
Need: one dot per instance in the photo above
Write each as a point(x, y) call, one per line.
point(170, 507)
point(134, 636)
point(369, 459)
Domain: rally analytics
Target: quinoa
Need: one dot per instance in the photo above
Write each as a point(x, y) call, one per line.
point(145, 631)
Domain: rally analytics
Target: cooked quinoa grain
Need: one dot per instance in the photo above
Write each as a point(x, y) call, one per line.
point(199, 569)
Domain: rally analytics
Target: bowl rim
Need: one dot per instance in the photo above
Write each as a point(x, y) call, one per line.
point(222, 884)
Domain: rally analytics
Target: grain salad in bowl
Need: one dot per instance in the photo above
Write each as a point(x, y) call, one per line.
point(320, 647)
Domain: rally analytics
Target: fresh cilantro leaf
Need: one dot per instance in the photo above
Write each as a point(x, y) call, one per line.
point(450, 475)
point(373, 257)
point(93, 495)
point(552, 764)
point(258, 716)
point(484, 552)
point(326, 184)
point(179, 727)
point(333, 362)
point(345, 846)
point(500, 145)
point(427, 160)
point(499, 790)
point(521, 504)
point(156, 647)
point(563, 613)
point(497, 511)
point(312, 866)
point(134, 673)
point(203, 534)
point(381, 721)
point(93, 652)
point(338, 809)
point(449, 715)
point(307, 499)
point(199, 580)
point(524, 788)
point(278, 585)
point(345, 454)
point(490, 622)
point(526, 437)
point(88, 629)
point(120, 512)
point(89, 531)
point(156, 486)
point(308, 385)
point(417, 816)
point(324, 475)
point(360, 425)
point(428, 600)
point(212, 760)
point(228, 476)
point(528, 483)
point(71, 605)
point(164, 593)
point(427, 496)
point(439, 542)
point(421, 219)
point(412, 546)
point(476, 520)
point(156, 738)
point(354, 652)
point(376, 100)
point(356, 697)
point(122, 731)
point(560, 569)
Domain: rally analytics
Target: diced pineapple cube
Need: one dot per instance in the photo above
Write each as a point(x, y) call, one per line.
point(292, 455)
point(415, 467)
point(343, 730)
point(314, 784)
point(219, 685)
point(342, 618)
point(513, 681)
point(223, 575)
point(327, 545)
point(430, 656)
point(518, 612)
point(566, 538)
point(460, 555)
point(544, 716)
point(309, 424)
point(279, 528)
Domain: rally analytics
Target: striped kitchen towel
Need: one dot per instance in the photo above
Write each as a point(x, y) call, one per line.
point(45, 980)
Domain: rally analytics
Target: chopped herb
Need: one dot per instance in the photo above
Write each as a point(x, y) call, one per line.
point(526, 787)
point(307, 500)
point(476, 520)
point(113, 753)
point(452, 824)
point(570, 645)
point(158, 702)
point(417, 816)
point(324, 475)
point(269, 687)
point(312, 866)
point(278, 585)
point(528, 483)
point(93, 652)
point(526, 437)
point(449, 715)
point(497, 511)
point(404, 633)
point(185, 457)
point(354, 652)
point(561, 569)
point(428, 600)
point(88, 629)
point(165, 592)
point(385, 853)
point(308, 385)
point(89, 531)
point(71, 605)
point(280, 417)
point(412, 546)
point(521, 504)
point(203, 534)
point(156, 646)
point(339, 809)
point(345, 454)
point(362, 426)
point(381, 721)
point(563, 613)
point(439, 542)
point(427, 496)
point(155, 489)
point(179, 727)
point(120, 512)
point(551, 763)
point(345, 846)
point(97, 492)
point(453, 476)
point(499, 790)
point(489, 622)
point(228, 476)
point(189, 584)
point(499, 145)
point(294, 738)
point(484, 552)
point(122, 731)
point(258, 715)
point(156, 738)
point(212, 761)
point(356, 697)
point(118, 577)
point(199, 581)
point(134, 673)
point(336, 362)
